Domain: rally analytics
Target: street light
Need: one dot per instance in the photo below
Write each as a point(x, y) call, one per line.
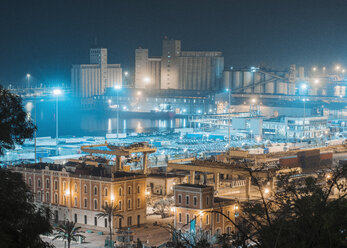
point(28, 78)
point(117, 88)
point(146, 79)
point(57, 93)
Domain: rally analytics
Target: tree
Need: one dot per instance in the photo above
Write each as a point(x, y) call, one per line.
point(21, 222)
point(109, 211)
point(15, 127)
point(162, 207)
point(301, 212)
point(68, 231)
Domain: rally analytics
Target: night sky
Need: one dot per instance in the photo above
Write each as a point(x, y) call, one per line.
point(46, 37)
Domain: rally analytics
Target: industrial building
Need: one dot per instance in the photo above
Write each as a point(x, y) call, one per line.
point(88, 80)
point(262, 81)
point(177, 69)
point(296, 127)
point(157, 100)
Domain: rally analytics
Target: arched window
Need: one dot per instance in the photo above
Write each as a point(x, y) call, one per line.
point(64, 186)
point(138, 189)
point(39, 196)
point(39, 183)
point(95, 190)
point(129, 190)
point(106, 191)
point(47, 197)
point(75, 187)
point(85, 189)
point(56, 185)
point(75, 201)
point(95, 204)
point(47, 183)
point(56, 198)
point(120, 191)
point(85, 203)
point(29, 181)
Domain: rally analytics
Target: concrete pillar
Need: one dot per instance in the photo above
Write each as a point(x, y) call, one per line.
point(248, 188)
point(216, 181)
point(192, 177)
point(144, 162)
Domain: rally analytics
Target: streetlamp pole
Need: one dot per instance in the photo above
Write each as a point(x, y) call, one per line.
point(57, 92)
point(56, 120)
point(28, 78)
point(35, 128)
point(117, 114)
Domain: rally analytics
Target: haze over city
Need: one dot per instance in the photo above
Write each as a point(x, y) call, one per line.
point(178, 124)
point(45, 38)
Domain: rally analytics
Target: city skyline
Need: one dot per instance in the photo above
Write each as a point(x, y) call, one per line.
point(45, 39)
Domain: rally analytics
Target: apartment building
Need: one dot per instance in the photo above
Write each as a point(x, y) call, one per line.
point(194, 206)
point(78, 195)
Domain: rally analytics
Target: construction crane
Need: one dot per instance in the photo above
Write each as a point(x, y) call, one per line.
point(122, 151)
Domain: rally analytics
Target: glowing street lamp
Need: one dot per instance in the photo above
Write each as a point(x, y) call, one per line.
point(316, 81)
point(146, 80)
point(126, 73)
point(57, 93)
point(337, 67)
point(28, 78)
point(314, 68)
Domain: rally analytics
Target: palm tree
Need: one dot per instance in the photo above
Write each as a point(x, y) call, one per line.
point(109, 211)
point(68, 231)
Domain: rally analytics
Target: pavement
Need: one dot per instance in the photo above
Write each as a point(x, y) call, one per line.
point(149, 234)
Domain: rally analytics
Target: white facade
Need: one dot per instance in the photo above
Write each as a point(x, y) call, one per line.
point(88, 80)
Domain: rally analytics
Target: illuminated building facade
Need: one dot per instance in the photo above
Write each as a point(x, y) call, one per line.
point(180, 70)
point(79, 197)
point(92, 79)
point(194, 205)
